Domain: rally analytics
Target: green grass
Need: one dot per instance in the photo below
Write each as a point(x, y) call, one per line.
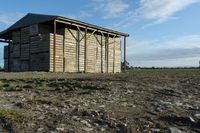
point(43, 101)
point(15, 115)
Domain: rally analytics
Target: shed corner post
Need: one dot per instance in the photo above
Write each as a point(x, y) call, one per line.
point(9, 56)
point(107, 54)
point(85, 51)
point(54, 47)
point(125, 62)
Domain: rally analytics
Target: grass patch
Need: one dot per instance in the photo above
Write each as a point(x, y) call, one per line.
point(42, 101)
point(12, 86)
point(42, 86)
point(15, 115)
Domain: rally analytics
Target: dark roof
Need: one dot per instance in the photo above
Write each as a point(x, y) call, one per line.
point(31, 19)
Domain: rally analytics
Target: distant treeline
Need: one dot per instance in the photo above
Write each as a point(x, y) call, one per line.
point(129, 67)
point(163, 67)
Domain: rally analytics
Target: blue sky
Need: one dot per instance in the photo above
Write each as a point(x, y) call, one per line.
point(162, 32)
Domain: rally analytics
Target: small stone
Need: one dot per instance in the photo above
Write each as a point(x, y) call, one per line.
point(191, 119)
point(40, 129)
point(41, 117)
point(60, 129)
point(129, 91)
point(53, 132)
point(102, 129)
point(131, 105)
point(86, 123)
point(155, 130)
point(76, 118)
point(197, 115)
point(102, 106)
point(174, 130)
point(86, 129)
point(124, 104)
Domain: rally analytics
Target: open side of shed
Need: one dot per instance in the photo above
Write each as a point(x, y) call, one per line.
point(57, 44)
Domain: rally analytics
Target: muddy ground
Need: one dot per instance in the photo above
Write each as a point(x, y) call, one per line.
point(137, 101)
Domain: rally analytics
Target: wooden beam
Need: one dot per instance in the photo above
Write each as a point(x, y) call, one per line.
point(107, 53)
point(80, 31)
point(54, 48)
point(64, 65)
point(125, 54)
point(91, 34)
point(85, 53)
point(5, 41)
point(98, 40)
point(101, 54)
point(72, 34)
point(114, 56)
point(9, 56)
point(80, 24)
point(78, 48)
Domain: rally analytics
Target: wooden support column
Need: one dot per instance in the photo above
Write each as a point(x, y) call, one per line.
point(64, 65)
point(125, 54)
point(107, 53)
point(101, 53)
point(114, 56)
point(85, 51)
point(78, 50)
point(54, 47)
point(9, 56)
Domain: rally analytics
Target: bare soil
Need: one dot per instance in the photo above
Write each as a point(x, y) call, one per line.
point(137, 101)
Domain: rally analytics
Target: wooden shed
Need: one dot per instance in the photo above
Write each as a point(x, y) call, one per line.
point(57, 44)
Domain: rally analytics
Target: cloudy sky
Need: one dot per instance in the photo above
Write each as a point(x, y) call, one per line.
point(162, 32)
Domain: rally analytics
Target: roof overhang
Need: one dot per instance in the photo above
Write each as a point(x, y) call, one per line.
point(90, 26)
point(26, 21)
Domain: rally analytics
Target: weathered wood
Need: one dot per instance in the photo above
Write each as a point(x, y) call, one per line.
point(101, 54)
point(6, 52)
point(125, 54)
point(54, 47)
point(16, 37)
point(25, 52)
point(25, 34)
point(6, 69)
point(114, 57)
point(85, 51)
point(70, 51)
point(8, 62)
point(78, 50)
point(34, 30)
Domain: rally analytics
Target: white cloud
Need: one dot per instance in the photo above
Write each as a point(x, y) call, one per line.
point(141, 52)
point(161, 10)
point(72, 16)
point(155, 11)
point(84, 14)
point(9, 18)
point(79, 15)
point(110, 8)
point(181, 62)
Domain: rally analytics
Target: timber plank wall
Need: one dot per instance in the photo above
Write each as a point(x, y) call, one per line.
point(32, 49)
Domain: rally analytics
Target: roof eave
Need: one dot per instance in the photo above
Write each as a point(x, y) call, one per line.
point(72, 21)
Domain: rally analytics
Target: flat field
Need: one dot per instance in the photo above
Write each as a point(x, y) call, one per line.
point(136, 101)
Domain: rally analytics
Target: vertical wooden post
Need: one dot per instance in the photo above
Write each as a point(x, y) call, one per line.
point(78, 55)
point(125, 54)
point(64, 51)
point(108, 53)
point(54, 47)
point(8, 56)
point(85, 51)
point(114, 56)
point(101, 54)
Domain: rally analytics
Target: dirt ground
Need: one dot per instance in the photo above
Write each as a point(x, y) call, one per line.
point(147, 101)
